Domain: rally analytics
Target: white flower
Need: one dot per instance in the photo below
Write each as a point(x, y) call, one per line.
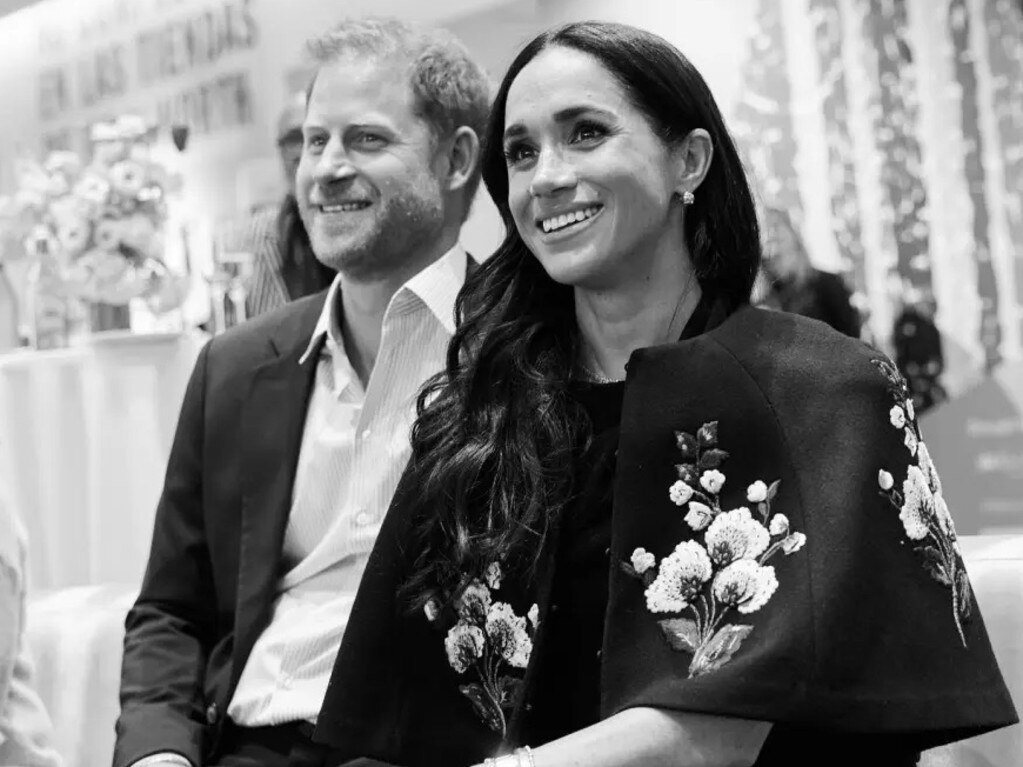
point(910, 410)
point(897, 417)
point(507, 632)
point(746, 585)
point(923, 457)
point(944, 516)
point(911, 441)
point(432, 610)
point(474, 603)
point(793, 543)
point(757, 492)
point(493, 575)
point(779, 525)
point(736, 535)
point(464, 645)
point(128, 177)
point(885, 480)
point(918, 504)
point(680, 493)
point(108, 233)
point(642, 560)
point(680, 578)
point(699, 515)
point(534, 616)
point(712, 480)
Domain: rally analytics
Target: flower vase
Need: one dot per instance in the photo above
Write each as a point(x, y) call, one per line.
point(103, 317)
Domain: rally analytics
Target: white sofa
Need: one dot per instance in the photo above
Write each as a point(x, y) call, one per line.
point(76, 635)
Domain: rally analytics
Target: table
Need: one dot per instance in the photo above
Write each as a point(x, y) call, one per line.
point(84, 438)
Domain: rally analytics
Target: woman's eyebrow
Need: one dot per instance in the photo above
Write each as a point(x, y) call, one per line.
point(561, 116)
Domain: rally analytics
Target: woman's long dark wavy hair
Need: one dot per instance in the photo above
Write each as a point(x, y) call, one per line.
point(494, 443)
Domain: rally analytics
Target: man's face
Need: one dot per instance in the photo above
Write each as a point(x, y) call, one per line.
point(368, 183)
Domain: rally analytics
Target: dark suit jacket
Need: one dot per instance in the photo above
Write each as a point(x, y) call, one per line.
point(220, 523)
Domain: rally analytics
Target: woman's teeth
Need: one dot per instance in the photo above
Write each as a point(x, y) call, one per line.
point(554, 223)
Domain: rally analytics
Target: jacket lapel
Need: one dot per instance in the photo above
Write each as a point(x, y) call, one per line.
point(273, 422)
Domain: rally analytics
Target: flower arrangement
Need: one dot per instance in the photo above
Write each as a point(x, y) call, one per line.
point(922, 509)
point(101, 223)
point(705, 582)
point(488, 637)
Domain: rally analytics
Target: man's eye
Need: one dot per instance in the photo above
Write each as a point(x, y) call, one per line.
point(371, 140)
point(315, 142)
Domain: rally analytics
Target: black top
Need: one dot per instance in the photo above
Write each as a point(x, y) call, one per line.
point(803, 570)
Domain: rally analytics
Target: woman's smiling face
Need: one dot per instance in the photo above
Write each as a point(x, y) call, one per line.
point(590, 185)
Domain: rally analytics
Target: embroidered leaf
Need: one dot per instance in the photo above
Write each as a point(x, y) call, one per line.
point(687, 445)
point(934, 563)
point(484, 706)
point(712, 459)
point(964, 594)
point(708, 435)
point(682, 634)
point(688, 473)
point(628, 569)
point(772, 490)
point(762, 510)
point(719, 649)
point(508, 688)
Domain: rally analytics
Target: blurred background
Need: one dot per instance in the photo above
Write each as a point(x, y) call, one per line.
point(884, 137)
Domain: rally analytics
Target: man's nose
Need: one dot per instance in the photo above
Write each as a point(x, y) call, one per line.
point(334, 164)
point(553, 174)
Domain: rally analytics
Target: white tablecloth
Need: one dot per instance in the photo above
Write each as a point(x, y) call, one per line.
point(84, 439)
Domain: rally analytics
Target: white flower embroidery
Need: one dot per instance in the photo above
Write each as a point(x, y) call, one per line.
point(885, 480)
point(793, 543)
point(432, 610)
point(736, 535)
point(642, 560)
point(757, 492)
point(897, 417)
point(927, 466)
point(680, 577)
point(534, 616)
point(910, 410)
point(464, 645)
point(474, 603)
point(507, 632)
point(944, 517)
point(493, 575)
point(699, 515)
point(680, 493)
point(779, 525)
point(911, 441)
point(745, 584)
point(712, 481)
point(918, 504)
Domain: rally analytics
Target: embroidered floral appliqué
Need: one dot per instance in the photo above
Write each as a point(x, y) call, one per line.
point(918, 500)
point(705, 583)
point(488, 639)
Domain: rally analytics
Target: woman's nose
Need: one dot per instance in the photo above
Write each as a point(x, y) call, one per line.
point(553, 174)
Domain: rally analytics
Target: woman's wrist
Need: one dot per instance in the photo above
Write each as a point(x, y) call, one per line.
point(520, 757)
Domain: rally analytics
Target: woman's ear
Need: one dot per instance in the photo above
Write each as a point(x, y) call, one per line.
point(693, 156)
point(463, 154)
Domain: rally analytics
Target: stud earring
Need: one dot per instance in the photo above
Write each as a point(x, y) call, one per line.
point(688, 198)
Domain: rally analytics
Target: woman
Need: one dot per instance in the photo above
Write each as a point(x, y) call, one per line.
point(737, 555)
point(796, 286)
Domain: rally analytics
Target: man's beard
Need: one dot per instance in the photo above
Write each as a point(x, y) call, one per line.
point(406, 226)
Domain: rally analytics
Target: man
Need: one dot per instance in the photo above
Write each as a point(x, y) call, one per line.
point(284, 267)
point(294, 428)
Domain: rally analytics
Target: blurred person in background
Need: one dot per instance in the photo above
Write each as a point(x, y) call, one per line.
point(25, 729)
point(794, 285)
point(284, 266)
point(919, 355)
point(295, 425)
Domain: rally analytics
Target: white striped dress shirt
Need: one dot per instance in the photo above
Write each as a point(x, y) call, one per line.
point(354, 448)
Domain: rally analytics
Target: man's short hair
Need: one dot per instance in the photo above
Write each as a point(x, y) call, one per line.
point(449, 88)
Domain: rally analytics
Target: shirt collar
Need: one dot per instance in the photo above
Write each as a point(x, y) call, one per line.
point(436, 286)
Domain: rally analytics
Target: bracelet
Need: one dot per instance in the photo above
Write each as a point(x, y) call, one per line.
point(521, 757)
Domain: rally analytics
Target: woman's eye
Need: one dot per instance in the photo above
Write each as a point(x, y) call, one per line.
point(516, 153)
point(588, 132)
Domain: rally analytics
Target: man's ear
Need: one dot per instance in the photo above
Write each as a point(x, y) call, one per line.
point(462, 151)
point(693, 156)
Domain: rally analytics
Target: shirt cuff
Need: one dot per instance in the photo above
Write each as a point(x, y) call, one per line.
point(162, 758)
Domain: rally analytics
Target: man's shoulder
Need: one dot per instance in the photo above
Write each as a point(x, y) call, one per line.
point(291, 324)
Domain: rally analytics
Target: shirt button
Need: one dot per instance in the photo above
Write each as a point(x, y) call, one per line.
point(211, 713)
point(363, 518)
